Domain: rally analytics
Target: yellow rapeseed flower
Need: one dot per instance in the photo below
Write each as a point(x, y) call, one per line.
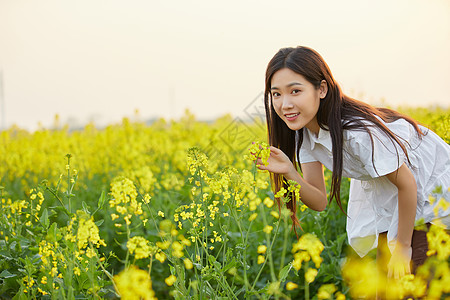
point(326, 291)
point(139, 246)
point(258, 150)
point(275, 214)
point(310, 275)
point(160, 256)
point(268, 202)
point(88, 232)
point(268, 229)
point(188, 263)
point(261, 259)
point(134, 283)
point(309, 245)
point(281, 193)
point(42, 291)
point(438, 242)
point(170, 280)
point(291, 286)
point(252, 217)
point(262, 249)
point(163, 245)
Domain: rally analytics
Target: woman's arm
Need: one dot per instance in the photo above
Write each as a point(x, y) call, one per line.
point(405, 182)
point(312, 192)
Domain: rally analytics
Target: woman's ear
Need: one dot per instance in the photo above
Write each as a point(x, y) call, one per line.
point(323, 89)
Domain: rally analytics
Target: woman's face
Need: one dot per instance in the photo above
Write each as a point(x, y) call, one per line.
point(296, 100)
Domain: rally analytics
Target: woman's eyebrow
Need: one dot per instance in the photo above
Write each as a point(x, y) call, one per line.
point(289, 85)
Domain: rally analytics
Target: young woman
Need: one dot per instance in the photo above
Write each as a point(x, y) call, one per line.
point(394, 163)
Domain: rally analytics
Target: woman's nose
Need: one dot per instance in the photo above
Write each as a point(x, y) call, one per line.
point(286, 104)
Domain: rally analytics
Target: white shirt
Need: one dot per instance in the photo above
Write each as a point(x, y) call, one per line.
point(373, 199)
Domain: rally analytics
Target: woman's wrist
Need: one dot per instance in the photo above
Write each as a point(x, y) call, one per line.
point(292, 174)
point(403, 244)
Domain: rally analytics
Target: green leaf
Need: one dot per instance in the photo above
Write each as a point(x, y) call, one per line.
point(284, 272)
point(217, 266)
point(20, 295)
point(229, 265)
point(70, 294)
point(52, 233)
point(102, 199)
point(44, 218)
point(211, 259)
point(7, 274)
point(85, 207)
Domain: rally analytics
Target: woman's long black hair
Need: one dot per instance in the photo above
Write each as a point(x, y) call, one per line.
point(337, 112)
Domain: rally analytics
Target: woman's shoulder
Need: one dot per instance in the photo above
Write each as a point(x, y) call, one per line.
point(363, 130)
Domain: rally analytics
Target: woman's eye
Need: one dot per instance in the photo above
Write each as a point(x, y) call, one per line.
point(295, 91)
point(275, 94)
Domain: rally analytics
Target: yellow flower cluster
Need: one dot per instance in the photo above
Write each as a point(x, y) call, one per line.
point(144, 177)
point(134, 284)
point(140, 247)
point(196, 159)
point(438, 242)
point(294, 189)
point(170, 280)
point(281, 193)
point(291, 286)
point(310, 275)
point(258, 150)
point(432, 279)
point(88, 233)
point(326, 291)
point(21, 211)
point(124, 198)
point(50, 257)
point(171, 240)
point(362, 276)
point(17, 206)
point(307, 248)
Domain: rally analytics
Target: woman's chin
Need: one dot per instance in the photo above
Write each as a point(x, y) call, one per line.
point(294, 127)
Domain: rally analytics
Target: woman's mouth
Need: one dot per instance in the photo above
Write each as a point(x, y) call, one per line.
point(291, 117)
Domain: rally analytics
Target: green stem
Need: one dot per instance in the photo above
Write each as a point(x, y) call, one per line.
point(68, 183)
point(227, 287)
point(269, 256)
point(269, 250)
point(128, 252)
point(104, 269)
point(286, 235)
point(150, 266)
point(60, 201)
point(306, 290)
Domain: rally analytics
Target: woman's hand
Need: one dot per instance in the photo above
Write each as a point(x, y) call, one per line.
point(278, 162)
point(312, 193)
point(399, 264)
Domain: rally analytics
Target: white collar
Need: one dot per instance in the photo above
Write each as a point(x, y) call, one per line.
point(323, 138)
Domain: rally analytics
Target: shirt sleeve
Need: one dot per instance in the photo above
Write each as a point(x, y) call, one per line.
point(380, 155)
point(306, 156)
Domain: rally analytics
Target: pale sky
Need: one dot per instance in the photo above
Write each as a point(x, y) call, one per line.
point(104, 59)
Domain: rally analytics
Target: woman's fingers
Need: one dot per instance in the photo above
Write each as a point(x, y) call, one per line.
point(260, 165)
point(274, 150)
point(399, 264)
